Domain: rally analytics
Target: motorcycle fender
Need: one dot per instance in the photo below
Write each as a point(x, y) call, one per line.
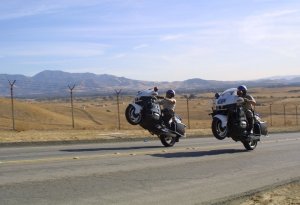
point(137, 107)
point(223, 119)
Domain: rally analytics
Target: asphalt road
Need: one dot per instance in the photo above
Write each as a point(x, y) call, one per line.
point(194, 171)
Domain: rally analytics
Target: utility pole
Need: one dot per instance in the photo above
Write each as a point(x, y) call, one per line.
point(118, 106)
point(72, 107)
point(12, 102)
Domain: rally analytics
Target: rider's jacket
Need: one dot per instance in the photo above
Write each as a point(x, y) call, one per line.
point(248, 105)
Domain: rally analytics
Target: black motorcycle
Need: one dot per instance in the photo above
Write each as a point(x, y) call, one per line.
point(146, 112)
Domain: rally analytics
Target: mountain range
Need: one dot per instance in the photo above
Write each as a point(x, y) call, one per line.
point(58, 84)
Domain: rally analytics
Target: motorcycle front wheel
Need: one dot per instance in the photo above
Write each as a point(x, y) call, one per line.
point(250, 145)
point(216, 127)
point(131, 116)
point(167, 141)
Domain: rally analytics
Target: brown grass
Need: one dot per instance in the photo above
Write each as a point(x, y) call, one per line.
point(99, 115)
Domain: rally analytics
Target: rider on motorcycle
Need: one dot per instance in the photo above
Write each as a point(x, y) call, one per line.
point(248, 106)
point(168, 106)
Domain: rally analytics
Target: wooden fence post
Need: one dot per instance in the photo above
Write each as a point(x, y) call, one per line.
point(271, 123)
point(284, 115)
point(118, 107)
point(297, 115)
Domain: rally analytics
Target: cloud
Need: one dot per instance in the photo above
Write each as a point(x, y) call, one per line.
point(276, 25)
point(140, 46)
point(120, 55)
point(17, 8)
point(171, 37)
point(277, 31)
point(11, 11)
point(54, 49)
point(280, 13)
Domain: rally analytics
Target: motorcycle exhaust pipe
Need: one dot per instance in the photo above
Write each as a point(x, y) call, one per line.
point(169, 134)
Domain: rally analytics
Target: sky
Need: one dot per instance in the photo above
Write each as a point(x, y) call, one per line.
point(153, 40)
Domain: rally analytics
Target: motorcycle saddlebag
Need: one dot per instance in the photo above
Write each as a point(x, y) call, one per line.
point(264, 128)
point(260, 128)
point(178, 127)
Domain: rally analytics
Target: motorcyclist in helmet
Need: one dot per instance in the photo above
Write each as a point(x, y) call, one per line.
point(248, 106)
point(168, 106)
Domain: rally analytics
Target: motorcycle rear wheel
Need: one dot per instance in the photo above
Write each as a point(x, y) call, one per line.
point(131, 116)
point(167, 141)
point(250, 145)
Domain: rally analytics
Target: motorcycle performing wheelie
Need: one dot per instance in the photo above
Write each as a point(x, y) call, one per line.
point(145, 111)
point(230, 119)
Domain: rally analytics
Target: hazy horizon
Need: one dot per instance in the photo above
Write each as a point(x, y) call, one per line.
point(269, 77)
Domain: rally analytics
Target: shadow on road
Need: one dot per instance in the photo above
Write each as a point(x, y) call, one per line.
point(199, 153)
point(109, 149)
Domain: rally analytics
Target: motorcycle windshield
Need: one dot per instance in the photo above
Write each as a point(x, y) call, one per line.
point(230, 91)
point(228, 97)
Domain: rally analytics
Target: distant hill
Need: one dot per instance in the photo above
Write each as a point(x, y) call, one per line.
point(55, 84)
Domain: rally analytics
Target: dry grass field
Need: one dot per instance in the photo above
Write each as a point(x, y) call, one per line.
point(287, 194)
point(98, 117)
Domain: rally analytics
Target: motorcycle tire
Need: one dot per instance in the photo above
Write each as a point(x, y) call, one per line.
point(217, 130)
point(131, 116)
point(250, 145)
point(167, 141)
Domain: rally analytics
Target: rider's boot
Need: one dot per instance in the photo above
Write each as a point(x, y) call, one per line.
point(162, 127)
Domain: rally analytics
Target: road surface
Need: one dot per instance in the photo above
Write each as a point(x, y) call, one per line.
point(194, 171)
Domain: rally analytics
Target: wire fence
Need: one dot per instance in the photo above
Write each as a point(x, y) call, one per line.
point(286, 114)
point(107, 113)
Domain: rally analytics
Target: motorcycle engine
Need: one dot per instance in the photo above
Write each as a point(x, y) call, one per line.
point(243, 124)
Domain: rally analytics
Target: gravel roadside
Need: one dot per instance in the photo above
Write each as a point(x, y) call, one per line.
point(287, 193)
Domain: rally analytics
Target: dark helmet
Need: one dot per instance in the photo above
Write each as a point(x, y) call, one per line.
point(170, 93)
point(243, 89)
